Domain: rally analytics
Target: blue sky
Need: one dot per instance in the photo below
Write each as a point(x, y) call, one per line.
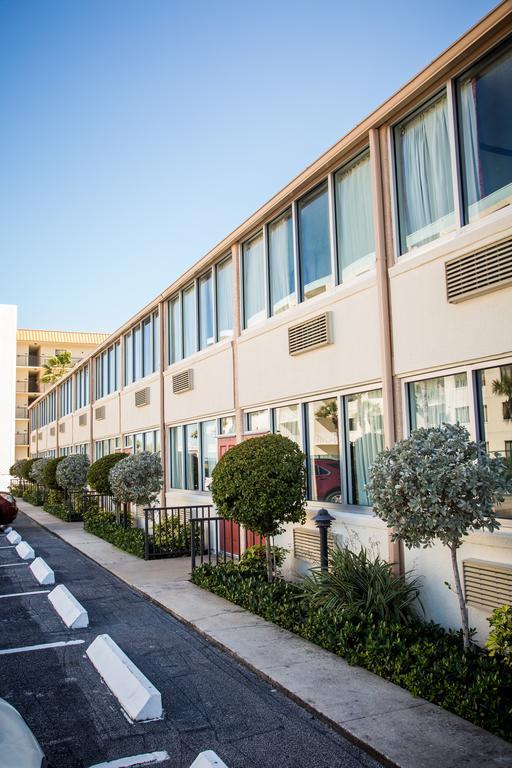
point(136, 134)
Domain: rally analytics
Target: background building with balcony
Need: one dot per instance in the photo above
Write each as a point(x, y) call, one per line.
point(33, 349)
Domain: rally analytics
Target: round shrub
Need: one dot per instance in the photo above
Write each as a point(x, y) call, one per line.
point(26, 466)
point(49, 473)
point(71, 473)
point(137, 479)
point(15, 469)
point(36, 471)
point(98, 472)
point(261, 483)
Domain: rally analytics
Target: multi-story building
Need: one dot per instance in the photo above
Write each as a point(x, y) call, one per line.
point(370, 296)
point(33, 349)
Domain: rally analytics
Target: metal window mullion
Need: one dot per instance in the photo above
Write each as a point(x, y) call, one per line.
point(304, 408)
point(296, 259)
point(454, 153)
point(332, 228)
point(347, 493)
point(266, 276)
point(196, 297)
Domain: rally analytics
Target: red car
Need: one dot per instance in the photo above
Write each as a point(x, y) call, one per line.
point(8, 508)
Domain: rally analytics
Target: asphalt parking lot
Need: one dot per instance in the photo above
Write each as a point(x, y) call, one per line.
point(209, 700)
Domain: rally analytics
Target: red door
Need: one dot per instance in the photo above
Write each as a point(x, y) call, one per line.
point(229, 532)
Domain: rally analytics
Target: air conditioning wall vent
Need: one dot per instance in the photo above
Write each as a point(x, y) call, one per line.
point(480, 272)
point(310, 334)
point(306, 544)
point(52, 431)
point(62, 427)
point(487, 584)
point(142, 397)
point(82, 420)
point(99, 413)
point(182, 382)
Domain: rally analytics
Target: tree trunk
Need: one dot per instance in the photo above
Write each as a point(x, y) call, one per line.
point(269, 559)
point(460, 596)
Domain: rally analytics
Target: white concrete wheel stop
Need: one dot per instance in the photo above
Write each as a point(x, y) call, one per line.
point(137, 695)
point(25, 551)
point(7, 530)
point(208, 759)
point(69, 609)
point(13, 537)
point(42, 571)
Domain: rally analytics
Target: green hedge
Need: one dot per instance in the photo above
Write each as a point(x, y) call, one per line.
point(422, 658)
point(103, 524)
point(56, 504)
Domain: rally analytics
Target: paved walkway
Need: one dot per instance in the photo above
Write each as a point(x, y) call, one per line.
point(396, 726)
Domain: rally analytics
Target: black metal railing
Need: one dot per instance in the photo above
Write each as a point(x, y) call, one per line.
point(80, 502)
point(168, 530)
point(216, 540)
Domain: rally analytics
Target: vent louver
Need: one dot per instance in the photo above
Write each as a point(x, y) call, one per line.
point(62, 427)
point(99, 413)
point(39, 435)
point(34, 437)
point(487, 584)
point(82, 420)
point(310, 334)
point(476, 273)
point(142, 397)
point(182, 382)
point(306, 544)
point(52, 431)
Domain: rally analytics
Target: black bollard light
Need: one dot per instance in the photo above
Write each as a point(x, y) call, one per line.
point(323, 521)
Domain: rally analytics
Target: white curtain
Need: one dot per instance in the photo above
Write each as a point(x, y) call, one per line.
point(224, 299)
point(254, 281)
point(367, 439)
point(355, 218)
point(281, 264)
point(426, 175)
point(470, 141)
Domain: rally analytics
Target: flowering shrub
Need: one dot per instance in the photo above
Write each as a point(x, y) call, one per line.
point(71, 473)
point(137, 479)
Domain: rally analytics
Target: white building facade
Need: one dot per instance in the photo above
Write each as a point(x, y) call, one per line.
point(370, 296)
point(8, 323)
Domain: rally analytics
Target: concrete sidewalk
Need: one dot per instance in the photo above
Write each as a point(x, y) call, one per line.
point(389, 722)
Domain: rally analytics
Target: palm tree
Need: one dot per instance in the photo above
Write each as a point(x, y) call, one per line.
point(503, 387)
point(56, 367)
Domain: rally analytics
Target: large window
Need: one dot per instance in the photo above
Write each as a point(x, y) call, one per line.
point(208, 451)
point(174, 325)
point(192, 457)
point(354, 218)
point(143, 441)
point(206, 337)
point(281, 263)
point(224, 295)
point(257, 421)
point(424, 175)
point(107, 377)
point(65, 397)
point(365, 438)
point(494, 391)
point(443, 399)
point(314, 243)
point(189, 321)
point(255, 307)
point(287, 422)
point(177, 463)
point(141, 350)
point(485, 125)
point(324, 451)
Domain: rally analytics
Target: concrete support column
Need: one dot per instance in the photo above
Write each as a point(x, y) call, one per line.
point(395, 554)
point(92, 377)
point(163, 442)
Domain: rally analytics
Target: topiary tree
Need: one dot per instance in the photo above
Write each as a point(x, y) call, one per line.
point(137, 479)
point(438, 484)
point(71, 473)
point(98, 472)
point(15, 469)
point(261, 483)
point(25, 467)
point(49, 473)
point(36, 471)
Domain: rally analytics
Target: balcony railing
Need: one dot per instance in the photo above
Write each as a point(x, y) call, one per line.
point(21, 438)
point(21, 412)
point(37, 361)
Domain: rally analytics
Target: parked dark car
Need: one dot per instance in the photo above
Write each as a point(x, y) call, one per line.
point(327, 479)
point(8, 508)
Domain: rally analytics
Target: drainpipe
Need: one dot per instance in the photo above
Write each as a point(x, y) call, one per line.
point(395, 552)
point(163, 441)
point(235, 262)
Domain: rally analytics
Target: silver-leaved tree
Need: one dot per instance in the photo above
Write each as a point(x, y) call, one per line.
point(71, 473)
point(137, 479)
point(438, 485)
